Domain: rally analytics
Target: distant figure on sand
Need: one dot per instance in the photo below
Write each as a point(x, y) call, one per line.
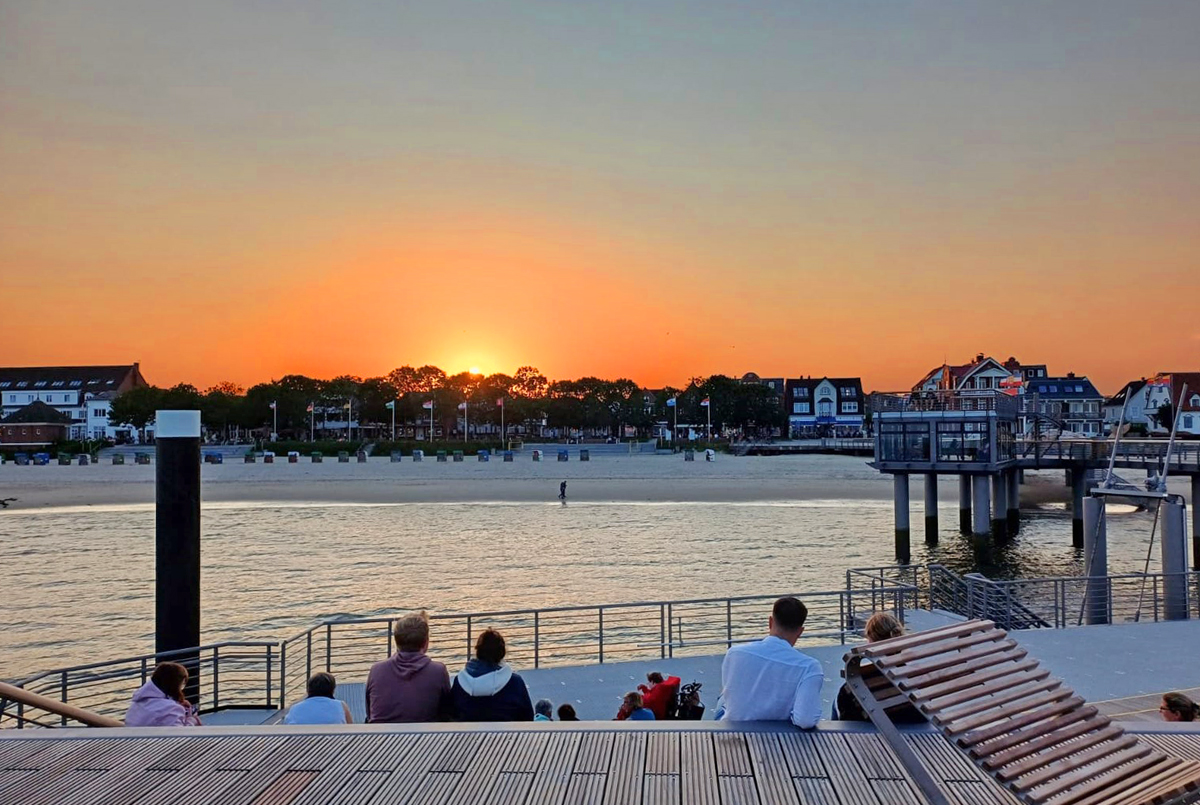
point(562, 491)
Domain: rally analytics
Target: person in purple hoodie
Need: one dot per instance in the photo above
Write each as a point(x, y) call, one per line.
point(408, 686)
point(487, 689)
point(160, 702)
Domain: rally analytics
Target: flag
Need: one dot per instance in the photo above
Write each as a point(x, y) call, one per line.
point(671, 403)
point(704, 402)
point(310, 408)
point(462, 406)
point(500, 402)
point(347, 405)
point(427, 405)
point(272, 406)
point(390, 406)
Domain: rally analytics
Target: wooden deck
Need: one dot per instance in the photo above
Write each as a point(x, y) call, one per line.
point(474, 764)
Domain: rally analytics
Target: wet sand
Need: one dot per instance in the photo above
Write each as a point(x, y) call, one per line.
point(606, 479)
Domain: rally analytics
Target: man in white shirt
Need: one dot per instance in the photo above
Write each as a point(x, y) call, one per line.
point(770, 680)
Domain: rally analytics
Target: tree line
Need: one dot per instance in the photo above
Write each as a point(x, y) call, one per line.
point(591, 403)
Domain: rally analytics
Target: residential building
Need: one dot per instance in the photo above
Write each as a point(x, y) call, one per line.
point(34, 426)
point(983, 374)
point(1071, 401)
point(1166, 388)
point(1129, 404)
point(1025, 371)
point(827, 406)
point(70, 390)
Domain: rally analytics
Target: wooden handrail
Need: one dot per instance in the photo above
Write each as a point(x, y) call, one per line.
point(36, 700)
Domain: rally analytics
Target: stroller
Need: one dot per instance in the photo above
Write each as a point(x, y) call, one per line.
point(687, 706)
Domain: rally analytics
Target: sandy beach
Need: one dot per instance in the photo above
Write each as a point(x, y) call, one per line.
point(608, 479)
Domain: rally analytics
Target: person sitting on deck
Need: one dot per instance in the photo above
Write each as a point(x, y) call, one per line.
point(161, 702)
point(487, 689)
point(543, 710)
point(567, 713)
point(409, 687)
point(880, 626)
point(1177, 707)
point(632, 708)
point(769, 680)
point(320, 707)
point(659, 697)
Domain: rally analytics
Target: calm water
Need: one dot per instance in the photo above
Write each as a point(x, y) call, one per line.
point(79, 582)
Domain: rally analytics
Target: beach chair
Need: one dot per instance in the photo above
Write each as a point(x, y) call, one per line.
point(1025, 729)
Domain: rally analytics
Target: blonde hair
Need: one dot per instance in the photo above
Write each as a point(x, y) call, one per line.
point(883, 625)
point(411, 631)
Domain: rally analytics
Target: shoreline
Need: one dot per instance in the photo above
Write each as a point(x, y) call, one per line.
point(645, 480)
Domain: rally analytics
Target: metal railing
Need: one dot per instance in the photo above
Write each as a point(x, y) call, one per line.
point(925, 401)
point(272, 675)
point(557, 636)
point(221, 676)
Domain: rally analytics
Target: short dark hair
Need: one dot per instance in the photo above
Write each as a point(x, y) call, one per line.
point(566, 713)
point(789, 613)
point(322, 684)
point(490, 647)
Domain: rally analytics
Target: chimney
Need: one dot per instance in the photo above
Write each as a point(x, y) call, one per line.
point(979, 358)
point(1071, 375)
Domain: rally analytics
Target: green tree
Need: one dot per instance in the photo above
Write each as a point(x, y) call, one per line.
point(136, 407)
point(1165, 415)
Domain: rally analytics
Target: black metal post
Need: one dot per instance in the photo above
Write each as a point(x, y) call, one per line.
point(177, 540)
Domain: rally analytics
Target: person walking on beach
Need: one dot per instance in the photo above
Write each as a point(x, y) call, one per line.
point(562, 491)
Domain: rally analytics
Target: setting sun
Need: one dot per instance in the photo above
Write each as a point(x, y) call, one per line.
point(474, 370)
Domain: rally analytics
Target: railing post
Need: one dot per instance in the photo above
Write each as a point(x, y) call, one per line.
point(143, 670)
point(468, 655)
point(64, 695)
point(282, 674)
point(670, 631)
point(308, 658)
point(662, 632)
point(216, 676)
point(728, 623)
point(329, 648)
point(270, 689)
point(600, 610)
point(842, 613)
point(387, 641)
point(537, 638)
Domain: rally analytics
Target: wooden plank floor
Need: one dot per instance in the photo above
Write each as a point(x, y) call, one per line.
point(275, 766)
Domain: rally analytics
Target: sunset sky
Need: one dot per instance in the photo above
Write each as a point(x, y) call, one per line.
point(644, 188)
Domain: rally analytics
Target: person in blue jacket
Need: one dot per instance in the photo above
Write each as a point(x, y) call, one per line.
point(488, 689)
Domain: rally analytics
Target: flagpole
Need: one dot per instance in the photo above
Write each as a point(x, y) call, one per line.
point(709, 407)
point(502, 440)
point(431, 420)
point(274, 420)
point(393, 420)
point(465, 425)
point(312, 422)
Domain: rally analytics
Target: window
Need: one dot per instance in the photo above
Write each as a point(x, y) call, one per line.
point(908, 441)
point(58, 384)
point(850, 408)
point(99, 413)
point(5, 384)
point(76, 384)
point(1054, 389)
point(802, 392)
point(847, 391)
point(800, 408)
point(22, 384)
point(39, 384)
point(1187, 423)
point(1195, 400)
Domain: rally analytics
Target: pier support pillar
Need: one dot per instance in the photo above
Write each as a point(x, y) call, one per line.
point(1095, 561)
point(999, 506)
point(1078, 488)
point(1174, 561)
point(903, 546)
point(964, 504)
point(931, 509)
point(177, 539)
point(1014, 501)
point(1196, 522)
point(981, 506)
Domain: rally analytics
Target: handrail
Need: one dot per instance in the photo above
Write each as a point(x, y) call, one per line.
point(13, 693)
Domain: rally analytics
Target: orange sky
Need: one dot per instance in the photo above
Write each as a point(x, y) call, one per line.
point(600, 190)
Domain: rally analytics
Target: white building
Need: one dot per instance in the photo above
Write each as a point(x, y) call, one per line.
point(84, 393)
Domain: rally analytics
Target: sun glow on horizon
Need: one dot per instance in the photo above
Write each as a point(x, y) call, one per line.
point(475, 370)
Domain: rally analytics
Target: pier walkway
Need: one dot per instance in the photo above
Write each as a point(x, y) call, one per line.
point(618, 763)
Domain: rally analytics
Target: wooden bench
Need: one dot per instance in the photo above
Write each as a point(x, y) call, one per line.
point(1028, 731)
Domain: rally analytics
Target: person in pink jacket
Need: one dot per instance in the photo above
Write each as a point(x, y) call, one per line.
point(160, 702)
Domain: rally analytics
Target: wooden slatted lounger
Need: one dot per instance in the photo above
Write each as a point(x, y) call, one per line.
point(1027, 730)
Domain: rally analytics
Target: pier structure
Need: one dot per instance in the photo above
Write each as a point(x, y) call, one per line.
point(976, 436)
